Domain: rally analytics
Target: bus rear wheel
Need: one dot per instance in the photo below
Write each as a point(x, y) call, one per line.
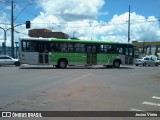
point(116, 64)
point(62, 63)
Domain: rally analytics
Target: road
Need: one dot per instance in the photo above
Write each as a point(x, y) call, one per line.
point(129, 88)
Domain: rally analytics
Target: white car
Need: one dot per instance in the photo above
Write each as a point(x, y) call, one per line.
point(155, 58)
point(146, 61)
point(7, 60)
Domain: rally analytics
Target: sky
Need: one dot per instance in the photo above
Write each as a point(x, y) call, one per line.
point(105, 20)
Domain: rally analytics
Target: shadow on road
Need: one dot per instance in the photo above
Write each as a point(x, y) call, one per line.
point(74, 67)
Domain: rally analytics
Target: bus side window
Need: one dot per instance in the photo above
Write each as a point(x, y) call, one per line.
point(29, 46)
point(94, 49)
point(70, 47)
point(63, 47)
point(34, 46)
point(24, 45)
point(120, 50)
point(79, 47)
point(126, 51)
point(54, 47)
point(130, 51)
point(111, 49)
point(105, 48)
point(102, 49)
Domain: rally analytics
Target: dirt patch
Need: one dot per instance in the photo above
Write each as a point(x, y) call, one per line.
point(76, 90)
point(156, 77)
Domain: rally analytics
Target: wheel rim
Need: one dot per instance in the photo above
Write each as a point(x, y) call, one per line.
point(116, 64)
point(63, 64)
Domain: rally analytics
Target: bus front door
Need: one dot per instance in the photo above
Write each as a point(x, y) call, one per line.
point(91, 55)
point(43, 53)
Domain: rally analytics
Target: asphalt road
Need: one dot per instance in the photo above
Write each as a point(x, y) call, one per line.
point(128, 88)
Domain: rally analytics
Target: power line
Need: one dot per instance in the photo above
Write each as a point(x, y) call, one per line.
point(22, 11)
point(65, 24)
point(31, 13)
point(5, 23)
point(20, 32)
point(104, 24)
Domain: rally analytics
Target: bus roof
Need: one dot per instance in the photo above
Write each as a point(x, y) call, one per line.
point(72, 40)
point(32, 38)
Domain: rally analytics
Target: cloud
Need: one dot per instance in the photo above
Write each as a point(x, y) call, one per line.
point(44, 21)
point(5, 25)
point(141, 28)
point(69, 16)
point(79, 18)
point(70, 10)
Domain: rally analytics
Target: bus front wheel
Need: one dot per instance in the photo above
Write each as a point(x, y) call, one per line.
point(62, 63)
point(116, 64)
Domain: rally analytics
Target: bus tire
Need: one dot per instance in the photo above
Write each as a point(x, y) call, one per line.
point(116, 64)
point(62, 63)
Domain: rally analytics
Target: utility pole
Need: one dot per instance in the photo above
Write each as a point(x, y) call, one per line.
point(5, 39)
point(12, 30)
point(129, 26)
point(4, 43)
point(12, 26)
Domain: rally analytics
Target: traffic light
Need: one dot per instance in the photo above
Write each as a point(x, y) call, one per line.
point(28, 24)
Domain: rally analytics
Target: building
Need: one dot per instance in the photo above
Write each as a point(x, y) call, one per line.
point(8, 51)
point(45, 33)
point(147, 48)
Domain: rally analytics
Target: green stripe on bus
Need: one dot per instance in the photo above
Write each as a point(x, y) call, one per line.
point(83, 41)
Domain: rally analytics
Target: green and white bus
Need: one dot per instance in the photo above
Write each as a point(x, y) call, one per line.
point(65, 52)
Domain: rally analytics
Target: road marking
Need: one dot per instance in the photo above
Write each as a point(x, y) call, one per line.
point(151, 103)
point(133, 109)
point(80, 78)
point(148, 103)
point(155, 97)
